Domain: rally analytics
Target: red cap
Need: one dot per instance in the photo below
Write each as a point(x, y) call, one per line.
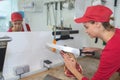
point(97, 13)
point(16, 16)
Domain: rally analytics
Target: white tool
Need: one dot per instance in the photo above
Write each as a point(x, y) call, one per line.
point(75, 51)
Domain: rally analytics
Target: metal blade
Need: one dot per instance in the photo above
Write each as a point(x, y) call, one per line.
point(65, 48)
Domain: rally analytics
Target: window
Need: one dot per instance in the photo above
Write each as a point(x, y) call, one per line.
point(6, 8)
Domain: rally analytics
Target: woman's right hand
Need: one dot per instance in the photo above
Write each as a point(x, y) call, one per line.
point(17, 28)
point(70, 62)
point(91, 49)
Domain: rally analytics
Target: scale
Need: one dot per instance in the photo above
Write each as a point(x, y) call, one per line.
point(3, 46)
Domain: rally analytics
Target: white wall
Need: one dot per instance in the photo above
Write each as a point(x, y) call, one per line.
point(38, 21)
point(117, 16)
point(27, 48)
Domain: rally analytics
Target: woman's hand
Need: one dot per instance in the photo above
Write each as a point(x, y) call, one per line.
point(70, 62)
point(91, 49)
point(17, 28)
point(97, 51)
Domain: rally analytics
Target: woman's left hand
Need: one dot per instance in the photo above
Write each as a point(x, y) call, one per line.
point(70, 62)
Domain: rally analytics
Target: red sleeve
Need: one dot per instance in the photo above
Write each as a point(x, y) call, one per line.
point(110, 59)
point(106, 68)
point(10, 30)
point(109, 64)
point(28, 27)
point(85, 78)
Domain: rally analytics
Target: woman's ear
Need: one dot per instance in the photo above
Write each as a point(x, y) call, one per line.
point(98, 24)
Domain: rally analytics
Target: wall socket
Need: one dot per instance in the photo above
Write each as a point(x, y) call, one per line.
point(26, 68)
point(19, 70)
point(22, 69)
point(47, 63)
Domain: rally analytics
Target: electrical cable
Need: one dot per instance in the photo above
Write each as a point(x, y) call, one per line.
point(2, 77)
point(19, 76)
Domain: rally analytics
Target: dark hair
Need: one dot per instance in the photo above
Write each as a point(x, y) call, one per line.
point(106, 25)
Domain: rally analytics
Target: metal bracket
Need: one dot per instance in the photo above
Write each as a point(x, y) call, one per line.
point(65, 34)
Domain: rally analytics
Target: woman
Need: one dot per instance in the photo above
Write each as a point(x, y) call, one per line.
point(96, 21)
point(17, 25)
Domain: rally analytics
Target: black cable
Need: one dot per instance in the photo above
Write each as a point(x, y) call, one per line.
point(2, 77)
point(115, 3)
point(96, 40)
point(19, 76)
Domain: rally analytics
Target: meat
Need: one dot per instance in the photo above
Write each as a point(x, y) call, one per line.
point(69, 74)
point(78, 67)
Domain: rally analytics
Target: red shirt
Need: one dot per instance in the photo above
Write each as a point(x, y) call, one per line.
point(27, 26)
point(110, 59)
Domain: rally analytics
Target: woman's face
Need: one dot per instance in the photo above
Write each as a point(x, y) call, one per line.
point(92, 29)
point(17, 25)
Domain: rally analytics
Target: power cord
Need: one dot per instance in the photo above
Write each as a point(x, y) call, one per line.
point(19, 76)
point(2, 77)
point(47, 64)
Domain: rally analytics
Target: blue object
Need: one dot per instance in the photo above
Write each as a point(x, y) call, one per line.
point(22, 13)
point(2, 17)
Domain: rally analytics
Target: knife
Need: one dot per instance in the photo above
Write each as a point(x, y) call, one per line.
point(75, 51)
